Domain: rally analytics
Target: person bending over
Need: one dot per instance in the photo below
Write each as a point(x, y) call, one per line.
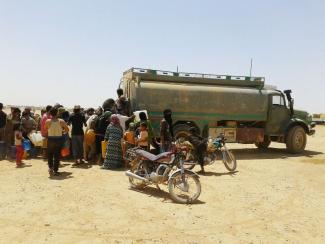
point(200, 145)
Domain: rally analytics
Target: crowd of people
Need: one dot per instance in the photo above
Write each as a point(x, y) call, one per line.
point(82, 132)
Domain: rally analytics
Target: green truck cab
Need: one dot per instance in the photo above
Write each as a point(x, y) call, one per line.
point(243, 108)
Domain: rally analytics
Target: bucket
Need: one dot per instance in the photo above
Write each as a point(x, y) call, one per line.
point(36, 138)
point(104, 148)
point(25, 155)
point(26, 144)
point(137, 113)
point(90, 137)
point(65, 152)
point(2, 150)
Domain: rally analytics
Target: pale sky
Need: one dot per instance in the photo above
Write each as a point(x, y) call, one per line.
point(74, 52)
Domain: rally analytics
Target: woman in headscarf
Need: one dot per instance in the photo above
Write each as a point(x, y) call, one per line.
point(113, 135)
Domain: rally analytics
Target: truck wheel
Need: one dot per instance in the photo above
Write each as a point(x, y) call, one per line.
point(263, 145)
point(296, 139)
point(181, 131)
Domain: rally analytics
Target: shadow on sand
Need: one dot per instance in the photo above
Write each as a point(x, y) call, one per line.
point(63, 176)
point(208, 173)
point(82, 166)
point(161, 194)
point(24, 166)
point(270, 153)
point(121, 169)
point(62, 165)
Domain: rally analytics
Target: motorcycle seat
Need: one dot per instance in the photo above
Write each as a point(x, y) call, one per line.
point(152, 157)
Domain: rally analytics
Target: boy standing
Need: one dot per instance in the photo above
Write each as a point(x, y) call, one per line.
point(143, 137)
point(77, 120)
point(19, 145)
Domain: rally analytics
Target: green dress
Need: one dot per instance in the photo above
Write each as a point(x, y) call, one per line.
point(113, 158)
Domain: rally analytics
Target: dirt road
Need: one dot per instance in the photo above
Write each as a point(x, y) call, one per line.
point(274, 197)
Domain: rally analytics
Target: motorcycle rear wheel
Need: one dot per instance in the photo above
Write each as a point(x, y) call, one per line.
point(229, 160)
point(141, 171)
point(179, 194)
point(210, 158)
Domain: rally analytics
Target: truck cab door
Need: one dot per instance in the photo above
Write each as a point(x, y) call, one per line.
point(278, 115)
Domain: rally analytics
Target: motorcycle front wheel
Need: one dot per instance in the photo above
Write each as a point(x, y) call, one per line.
point(229, 160)
point(184, 191)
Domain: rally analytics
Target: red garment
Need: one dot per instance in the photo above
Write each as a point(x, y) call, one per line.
point(43, 120)
point(19, 154)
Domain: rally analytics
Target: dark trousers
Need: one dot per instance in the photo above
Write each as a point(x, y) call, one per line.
point(2, 134)
point(77, 146)
point(98, 141)
point(54, 147)
point(200, 150)
point(166, 147)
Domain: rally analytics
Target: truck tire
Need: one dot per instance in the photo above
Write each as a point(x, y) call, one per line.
point(263, 145)
point(181, 131)
point(296, 139)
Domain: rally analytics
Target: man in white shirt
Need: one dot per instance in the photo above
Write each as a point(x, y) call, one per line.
point(124, 120)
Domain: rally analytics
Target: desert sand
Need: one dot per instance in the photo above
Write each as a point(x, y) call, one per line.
point(274, 197)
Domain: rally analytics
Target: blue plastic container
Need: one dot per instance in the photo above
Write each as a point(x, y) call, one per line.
point(33, 152)
point(27, 145)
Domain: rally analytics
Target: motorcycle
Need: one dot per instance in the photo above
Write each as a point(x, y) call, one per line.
point(166, 168)
point(214, 147)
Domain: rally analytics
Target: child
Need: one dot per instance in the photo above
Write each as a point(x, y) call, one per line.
point(19, 144)
point(143, 137)
point(129, 141)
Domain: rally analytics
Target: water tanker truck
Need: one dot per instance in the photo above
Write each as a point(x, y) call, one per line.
point(243, 108)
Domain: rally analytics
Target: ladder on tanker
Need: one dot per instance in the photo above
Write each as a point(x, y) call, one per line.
point(161, 75)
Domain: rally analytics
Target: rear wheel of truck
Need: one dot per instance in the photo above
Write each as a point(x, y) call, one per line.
point(296, 139)
point(181, 131)
point(263, 145)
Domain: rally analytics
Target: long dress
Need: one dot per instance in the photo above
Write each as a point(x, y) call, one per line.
point(11, 122)
point(113, 158)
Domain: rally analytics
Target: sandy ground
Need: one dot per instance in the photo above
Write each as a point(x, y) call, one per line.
point(274, 197)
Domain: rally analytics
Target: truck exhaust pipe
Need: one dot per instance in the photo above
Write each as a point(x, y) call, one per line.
point(130, 174)
point(290, 100)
